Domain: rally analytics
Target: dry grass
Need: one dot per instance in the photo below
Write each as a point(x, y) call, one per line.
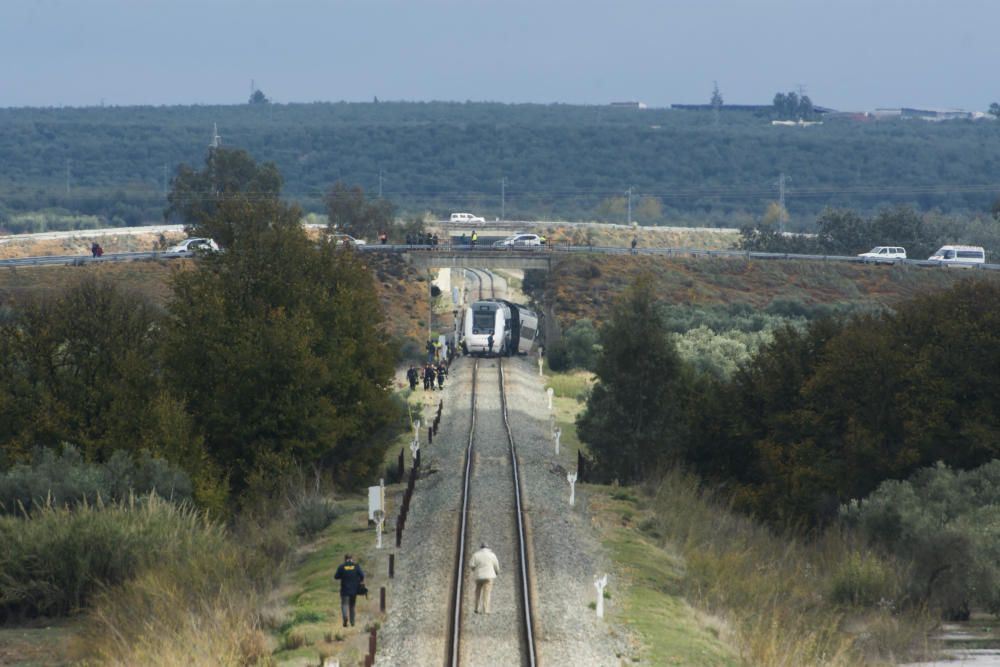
point(775, 589)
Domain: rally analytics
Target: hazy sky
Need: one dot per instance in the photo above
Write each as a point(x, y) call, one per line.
point(848, 54)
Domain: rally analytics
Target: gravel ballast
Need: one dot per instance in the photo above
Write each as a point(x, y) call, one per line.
point(565, 554)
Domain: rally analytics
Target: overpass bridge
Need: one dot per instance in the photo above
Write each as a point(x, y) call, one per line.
point(479, 259)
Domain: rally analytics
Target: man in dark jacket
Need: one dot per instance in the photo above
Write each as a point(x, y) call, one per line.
point(412, 377)
point(350, 576)
point(429, 377)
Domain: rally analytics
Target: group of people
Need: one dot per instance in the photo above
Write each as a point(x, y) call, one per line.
point(422, 239)
point(430, 372)
point(96, 250)
point(470, 240)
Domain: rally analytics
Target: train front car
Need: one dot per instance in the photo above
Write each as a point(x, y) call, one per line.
point(482, 320)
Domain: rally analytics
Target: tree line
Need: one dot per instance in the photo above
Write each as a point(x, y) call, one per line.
point(882, 425)
point(819, 416)
point(560, 161)
point(268, 356)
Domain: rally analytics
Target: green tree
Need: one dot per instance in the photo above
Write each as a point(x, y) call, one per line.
point(258, 97)
point(351, 212)
point(232, 195)
point(612, 208)
point(843, 232)
point(81, 367)
point(278, 347)
point(650, 210)
point(995, 109)
point(632, 421)
point(942, 522)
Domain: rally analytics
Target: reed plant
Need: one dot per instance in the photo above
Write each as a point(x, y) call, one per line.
point(54, 559)
point(791, 599)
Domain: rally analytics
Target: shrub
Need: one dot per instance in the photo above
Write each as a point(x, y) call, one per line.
point(578, 348)
point(862, 581)
point(65, 479)
point(55, 559)
point(313, 513)
point(942, 521)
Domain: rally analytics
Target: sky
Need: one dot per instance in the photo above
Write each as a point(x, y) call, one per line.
point(844, 54)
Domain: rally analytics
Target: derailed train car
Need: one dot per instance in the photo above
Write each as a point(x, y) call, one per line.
point(513, 327)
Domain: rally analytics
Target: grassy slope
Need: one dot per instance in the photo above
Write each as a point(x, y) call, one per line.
point(645, 582)
point(581, 287)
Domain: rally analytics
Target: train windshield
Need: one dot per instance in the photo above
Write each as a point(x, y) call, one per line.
point(484, 318)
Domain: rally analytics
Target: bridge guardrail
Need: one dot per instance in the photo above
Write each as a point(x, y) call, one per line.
point(525, 251)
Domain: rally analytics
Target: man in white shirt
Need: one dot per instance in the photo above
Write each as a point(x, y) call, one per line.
point(485, 568)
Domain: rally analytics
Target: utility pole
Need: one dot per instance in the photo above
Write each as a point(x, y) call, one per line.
point(503, 198)
point(430, 302)
point(166, 171)
point(781, 201)
point(67, 177)
point(629, 193)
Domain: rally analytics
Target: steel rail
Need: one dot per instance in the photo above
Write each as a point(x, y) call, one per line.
point(455, 629)
point(521, 537)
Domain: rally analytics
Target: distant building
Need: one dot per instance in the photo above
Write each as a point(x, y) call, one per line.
point(629, 105)
point(752, 108)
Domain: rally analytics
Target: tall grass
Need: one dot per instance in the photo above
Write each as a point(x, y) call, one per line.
point(160, 584)
point(54, 559)
point(792, 601)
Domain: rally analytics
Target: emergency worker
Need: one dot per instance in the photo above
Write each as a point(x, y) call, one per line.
point(412, 376)
point(351, 577)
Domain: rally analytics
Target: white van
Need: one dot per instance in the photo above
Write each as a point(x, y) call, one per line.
point(959, 254)
point(466, 217)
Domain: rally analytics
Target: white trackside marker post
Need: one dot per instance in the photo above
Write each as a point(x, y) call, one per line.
point(599, 584)
point(558, 433)
point(379, 524)
point(414, 448)
point(540, 364)
point(550, 391)
point(571, 478)
point(416, 431)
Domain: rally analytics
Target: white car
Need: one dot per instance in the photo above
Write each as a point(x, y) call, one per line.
point(193, 245)
point(466, 217)
point(887, 254)
point(518, 240)
point(345, 239)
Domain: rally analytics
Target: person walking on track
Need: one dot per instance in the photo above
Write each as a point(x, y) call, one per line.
point(351, 582)
point(485, 568)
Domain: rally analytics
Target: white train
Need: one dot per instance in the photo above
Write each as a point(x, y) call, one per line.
point(512, 327)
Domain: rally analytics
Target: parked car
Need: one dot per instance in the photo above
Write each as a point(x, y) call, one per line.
point(193, 245)
point(466, 217)
point(959, 254)
point(347, 239)
point(519, 240)
point(887, 254)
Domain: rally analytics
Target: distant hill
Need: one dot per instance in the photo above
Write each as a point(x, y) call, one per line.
point(560, 161)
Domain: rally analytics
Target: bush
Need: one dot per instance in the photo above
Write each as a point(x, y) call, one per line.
point(942, 521)
point(578, 348)
point(313, 513)
point(55, 559)
point(862, 580)
point(65, 479)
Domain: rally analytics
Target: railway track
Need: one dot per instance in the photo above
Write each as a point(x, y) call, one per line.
point(479, 273)
point(498, 521)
